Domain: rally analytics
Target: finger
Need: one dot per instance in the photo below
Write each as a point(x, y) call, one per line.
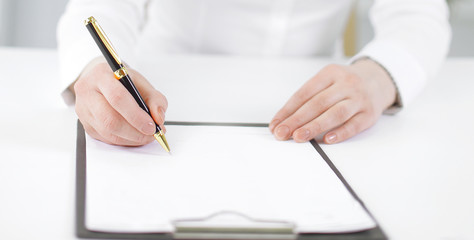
point(353, 126)
point(91, 131)
point(149, 93)
point(309, 111)
point(157, 104)
point(117, 140)
point(85, 115)
point(306, 92)
point(333, 117)
point(158, 114)
point(156, 101)
point(110, 124)
point(123, 102)
point(112, 139)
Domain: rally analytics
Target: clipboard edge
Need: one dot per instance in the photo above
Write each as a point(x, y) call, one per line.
point(377, 230)
point(80, 225)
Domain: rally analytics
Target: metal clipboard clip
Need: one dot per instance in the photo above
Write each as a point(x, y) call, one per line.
point(232, 225)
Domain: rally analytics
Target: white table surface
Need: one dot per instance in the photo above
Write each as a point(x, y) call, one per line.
point(414, 171)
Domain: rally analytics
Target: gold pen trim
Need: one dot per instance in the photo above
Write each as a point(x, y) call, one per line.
point(120, 73)
point(160, 137)
point(103, 38)
point(103, 41)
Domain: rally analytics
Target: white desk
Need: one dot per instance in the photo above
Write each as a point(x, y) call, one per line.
point(414, 171)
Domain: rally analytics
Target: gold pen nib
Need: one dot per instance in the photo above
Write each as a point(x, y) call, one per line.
point(160, 137)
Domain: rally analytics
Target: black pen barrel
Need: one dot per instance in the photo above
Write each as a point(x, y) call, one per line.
point(128, 84)
point(120, 72)
point(107, 55)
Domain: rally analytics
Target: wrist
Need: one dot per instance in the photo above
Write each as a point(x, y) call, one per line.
point(386, 89)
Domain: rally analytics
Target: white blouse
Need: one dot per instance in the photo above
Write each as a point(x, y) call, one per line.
point(411, 36)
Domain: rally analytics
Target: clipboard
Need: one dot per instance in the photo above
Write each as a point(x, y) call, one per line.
point(198, 228)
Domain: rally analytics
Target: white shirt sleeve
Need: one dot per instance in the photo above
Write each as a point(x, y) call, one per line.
point(411, 41)
point(121, 20)
point(411, 37)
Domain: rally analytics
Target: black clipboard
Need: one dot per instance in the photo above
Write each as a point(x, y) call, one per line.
point(82, 232)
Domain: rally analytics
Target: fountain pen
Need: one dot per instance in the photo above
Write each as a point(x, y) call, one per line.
point(120, 72)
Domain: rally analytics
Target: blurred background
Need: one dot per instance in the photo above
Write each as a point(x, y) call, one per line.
point(32, 23)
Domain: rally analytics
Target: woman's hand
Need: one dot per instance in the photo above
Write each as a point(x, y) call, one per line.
point(108, 111)
point(340, 101)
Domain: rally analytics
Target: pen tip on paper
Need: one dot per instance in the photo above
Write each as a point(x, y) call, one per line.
point(160, 137)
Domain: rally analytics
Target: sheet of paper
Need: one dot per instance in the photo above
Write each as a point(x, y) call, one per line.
point(213, 169)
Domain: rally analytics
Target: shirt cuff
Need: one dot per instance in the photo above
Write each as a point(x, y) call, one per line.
point(406, 72)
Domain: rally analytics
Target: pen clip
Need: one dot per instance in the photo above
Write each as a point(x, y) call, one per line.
point(103, 37)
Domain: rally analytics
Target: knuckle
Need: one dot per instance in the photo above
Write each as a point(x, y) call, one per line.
point(157, 99)
point(342, 113)
point(280, 116)
point(356, 125)
point(367, 106)
point(79, 86)
point(109, 123)
point(316, 128)
point(301, 96)
point(136, 140)
point(332, 68)
point(165, 101)
point(353, 80)
point(351, 128)
point(320, 105)
point(114, 139)
point(116, 98)
point(370, 112)
point(348, 130)
point(334, 71)
point(297, 120)
point(143, 139)
point(136, 117)
point(101, 68)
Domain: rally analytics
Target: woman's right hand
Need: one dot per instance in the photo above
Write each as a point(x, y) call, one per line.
point(108, 111)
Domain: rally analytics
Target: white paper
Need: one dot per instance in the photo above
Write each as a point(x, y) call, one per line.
point(213, 169)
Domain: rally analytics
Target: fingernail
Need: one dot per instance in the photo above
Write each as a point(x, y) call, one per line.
point(148, 128)
point(331, 138)
point(302, 135)
point(282, 132)
point(273, 124)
